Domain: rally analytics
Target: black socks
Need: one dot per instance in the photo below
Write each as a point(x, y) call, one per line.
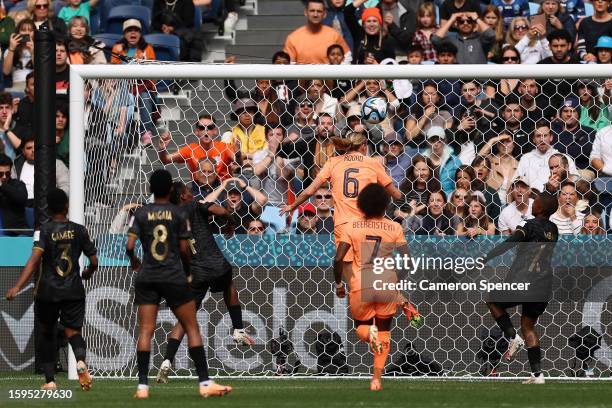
point(198, 356)
point(535, 357)
point(143, 366)
point(505, 324)
point(171, 349)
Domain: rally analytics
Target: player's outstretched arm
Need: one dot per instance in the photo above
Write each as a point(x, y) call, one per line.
point(341, 252)
point(32, 265)
point(129, 250)
point(303, 196)
point(517, 236)
point(218, 211)
point(393, 191)
point(93, 266)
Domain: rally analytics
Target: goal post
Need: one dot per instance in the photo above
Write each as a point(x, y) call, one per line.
point(284, 279)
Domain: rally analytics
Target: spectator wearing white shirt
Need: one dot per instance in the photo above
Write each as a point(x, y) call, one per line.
point(558, 166)
point(601, 159)
point(567, 218)
point(533, 166)
point(519, 209)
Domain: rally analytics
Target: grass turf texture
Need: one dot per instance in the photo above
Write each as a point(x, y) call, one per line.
point(309, 393)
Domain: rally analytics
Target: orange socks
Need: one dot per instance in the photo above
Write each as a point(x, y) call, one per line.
point(381, 359)
point(363, 332)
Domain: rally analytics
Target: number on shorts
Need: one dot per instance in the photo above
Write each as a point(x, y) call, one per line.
point(353, 191)
point(160, 236)
point(65, 256)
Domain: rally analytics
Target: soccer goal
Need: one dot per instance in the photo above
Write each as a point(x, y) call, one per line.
point(282, 265)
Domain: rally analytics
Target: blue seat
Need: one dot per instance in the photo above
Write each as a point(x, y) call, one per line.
point(167, 46)
point(57, 6)
point(211, 13)
point(119, 14)
point(21, 6)
point(29, 216)
point(534, 8)
point(109, 39)
point(106, 6)
point(197, 18)
point(588, 9)
point(18, 94)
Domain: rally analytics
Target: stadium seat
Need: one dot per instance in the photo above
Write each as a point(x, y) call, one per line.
point(29, 215)
point(167, 46)
point(106, 7)
point(21, 6)
point(211, 13)
point(119, 14)
point(57, 6)
point(588, 9)
point(109, 40)
point(534, 8)
point(197, 18)
point(428, 62)
point(17, 94)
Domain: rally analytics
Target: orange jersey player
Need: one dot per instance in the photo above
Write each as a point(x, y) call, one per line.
point(348, 174)
point(371, 238)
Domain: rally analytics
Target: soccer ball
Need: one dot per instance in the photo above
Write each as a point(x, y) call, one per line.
point(374, 110)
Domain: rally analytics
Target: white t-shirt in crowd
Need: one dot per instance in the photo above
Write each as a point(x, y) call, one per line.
point(602, 149)
point(511, 217)
point(27, 176)
point(566, 225)
point(533, 168)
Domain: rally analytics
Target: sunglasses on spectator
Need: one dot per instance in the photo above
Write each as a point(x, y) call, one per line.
point(465, 21)
point(510, 58)
point(42, 6)
point(321, 196)
point(305, 104)
point(520, 27)
point(256, 228)
point(5, 174)
point(212, 126)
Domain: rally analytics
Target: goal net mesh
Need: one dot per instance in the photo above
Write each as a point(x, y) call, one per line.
point(283, 265)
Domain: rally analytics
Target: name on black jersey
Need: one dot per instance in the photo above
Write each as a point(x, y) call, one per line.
point(63, 235)
point(161, 215)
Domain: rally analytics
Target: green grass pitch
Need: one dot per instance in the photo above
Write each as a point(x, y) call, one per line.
point(267, 393)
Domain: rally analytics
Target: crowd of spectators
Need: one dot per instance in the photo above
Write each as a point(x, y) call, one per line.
point(468, 156)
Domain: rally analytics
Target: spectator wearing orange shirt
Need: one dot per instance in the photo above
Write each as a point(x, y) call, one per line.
point(206, 131)
point(308, 44)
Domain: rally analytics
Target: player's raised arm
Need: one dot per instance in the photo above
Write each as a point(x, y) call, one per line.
point(32, 265)
point(517, 236)
point(341, 252)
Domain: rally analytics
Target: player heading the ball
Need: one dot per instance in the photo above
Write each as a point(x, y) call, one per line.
point(209, 270)
point(59, 291)
point(164, 233)
point(532, 264)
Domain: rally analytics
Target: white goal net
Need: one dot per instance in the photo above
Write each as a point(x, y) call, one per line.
point(466, 145)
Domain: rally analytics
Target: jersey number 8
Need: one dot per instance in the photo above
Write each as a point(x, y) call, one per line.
point(160, 236)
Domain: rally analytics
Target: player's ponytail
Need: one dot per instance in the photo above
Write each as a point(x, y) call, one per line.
point(351, 142)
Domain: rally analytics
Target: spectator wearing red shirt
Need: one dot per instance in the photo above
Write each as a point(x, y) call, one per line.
point(206, 131)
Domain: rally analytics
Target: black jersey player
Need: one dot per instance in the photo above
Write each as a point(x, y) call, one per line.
point(532, 265)
point(209, 270)
point(59, 289)
point(164, 232)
